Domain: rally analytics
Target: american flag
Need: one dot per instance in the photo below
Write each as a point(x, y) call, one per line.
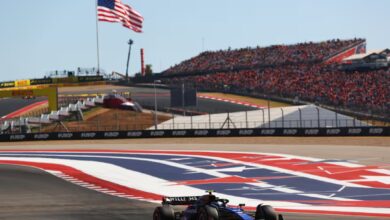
point(116, 11)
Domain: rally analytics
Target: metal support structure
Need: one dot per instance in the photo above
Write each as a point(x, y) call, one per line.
point(182, 98)
point(128, 59)
point(228, 121)
point(269, 111)
point(282, 117)
point(155, 105)
point(337, 121)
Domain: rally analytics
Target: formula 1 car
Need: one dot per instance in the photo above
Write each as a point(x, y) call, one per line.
point(210, 207)
point(28, 97)
point(119, 102)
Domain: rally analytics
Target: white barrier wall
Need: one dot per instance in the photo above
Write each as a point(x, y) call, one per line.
point(308, 116)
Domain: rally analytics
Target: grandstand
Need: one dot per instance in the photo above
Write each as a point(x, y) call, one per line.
point(309, 71)
point(268, 56)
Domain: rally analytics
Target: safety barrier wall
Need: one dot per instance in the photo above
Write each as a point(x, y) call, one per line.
point(291, 132)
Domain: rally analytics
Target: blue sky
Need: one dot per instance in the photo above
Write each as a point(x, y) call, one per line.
point(37, 36)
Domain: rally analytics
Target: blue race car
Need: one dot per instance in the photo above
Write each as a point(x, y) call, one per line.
point(209, 207)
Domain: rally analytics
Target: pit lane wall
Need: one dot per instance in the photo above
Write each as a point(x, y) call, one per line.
point(61, 82)
point(288, 132)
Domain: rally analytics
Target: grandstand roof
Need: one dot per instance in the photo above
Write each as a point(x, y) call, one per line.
point(364, 55)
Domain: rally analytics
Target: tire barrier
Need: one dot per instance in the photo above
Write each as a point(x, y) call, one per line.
point(288, 132)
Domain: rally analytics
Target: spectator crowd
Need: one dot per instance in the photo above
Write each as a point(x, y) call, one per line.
point(325, 84)
point(262, 56)
point(295, 71)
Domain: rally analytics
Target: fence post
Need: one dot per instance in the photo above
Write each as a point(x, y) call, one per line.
point(282, 117)
point(269, 112)
point(318, 117)
point(337, 122)
point(173, 121)
point(246, 118)
point(300, 117)
point(269, 118)
point(209, 121)
point(191, 122)
point(228, 119)
point(262, 110)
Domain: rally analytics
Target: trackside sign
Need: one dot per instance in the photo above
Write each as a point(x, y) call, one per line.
point(291, 132)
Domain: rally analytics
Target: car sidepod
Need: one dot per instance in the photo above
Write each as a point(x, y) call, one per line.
point(234, 214)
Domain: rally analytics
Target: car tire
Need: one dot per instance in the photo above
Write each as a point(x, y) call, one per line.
point(164, 213)
point(207, 213)
point(265, 212)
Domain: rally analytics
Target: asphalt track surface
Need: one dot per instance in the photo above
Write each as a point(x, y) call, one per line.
point(31, 194)
point(145, 97)
point(10, 105)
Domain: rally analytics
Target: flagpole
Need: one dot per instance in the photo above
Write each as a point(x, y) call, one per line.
point(97, 38)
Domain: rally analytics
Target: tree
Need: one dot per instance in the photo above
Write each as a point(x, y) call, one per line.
point(148, 70)
point(138, 74)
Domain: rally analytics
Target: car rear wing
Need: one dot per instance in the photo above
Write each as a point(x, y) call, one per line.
point(180, 200)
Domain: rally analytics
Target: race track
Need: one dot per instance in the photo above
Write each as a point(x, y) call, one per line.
point(31, 194)
point(145, 96)
point(250, 177)
point(10, 105)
